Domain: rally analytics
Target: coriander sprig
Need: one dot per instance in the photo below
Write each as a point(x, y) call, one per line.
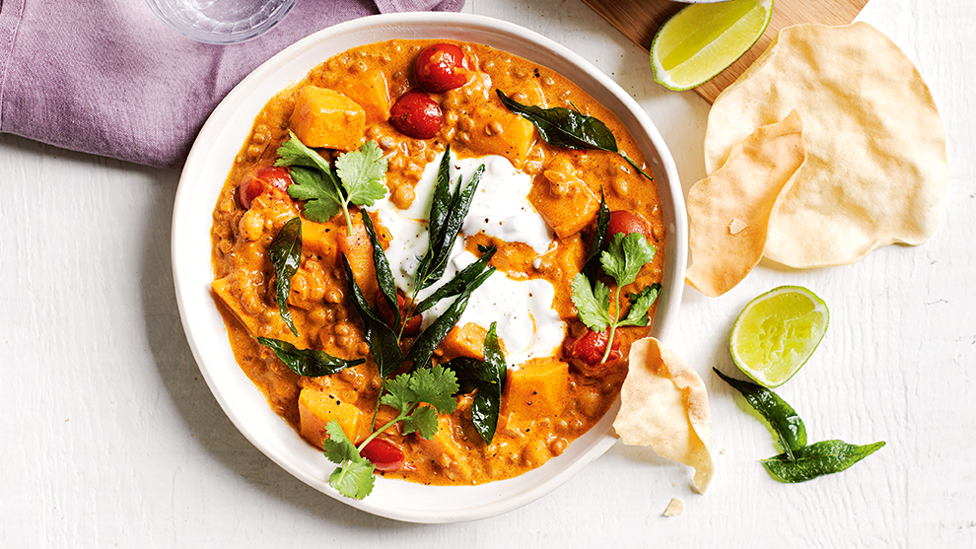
point(357, 178)
point(622, 260)
point(418, 396)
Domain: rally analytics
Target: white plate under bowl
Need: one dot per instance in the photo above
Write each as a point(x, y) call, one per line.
point(210, 162)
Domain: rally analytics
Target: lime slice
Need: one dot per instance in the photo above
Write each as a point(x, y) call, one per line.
point(701, 40)
point(776, 333)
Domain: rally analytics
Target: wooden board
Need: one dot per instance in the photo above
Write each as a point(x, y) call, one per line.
point(640, 19)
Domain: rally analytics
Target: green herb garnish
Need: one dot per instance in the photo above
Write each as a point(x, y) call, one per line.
point(357, 179)
point(418, 396)
point(423, 347)
point(818, 459)
point(592, 266)
point(488, 378)
point(799, 462)
point(570, 129)
point(307, 362)
point(784, 421)
point(622, 260)
point(382, 340)
point(447, 213)
point(286, 256)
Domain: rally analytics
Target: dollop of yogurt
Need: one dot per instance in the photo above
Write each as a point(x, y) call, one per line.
point(527, 324)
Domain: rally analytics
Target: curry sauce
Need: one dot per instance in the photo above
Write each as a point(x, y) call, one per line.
point(547, 401)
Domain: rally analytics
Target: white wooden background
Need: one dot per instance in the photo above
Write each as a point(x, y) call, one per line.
point(112, 439)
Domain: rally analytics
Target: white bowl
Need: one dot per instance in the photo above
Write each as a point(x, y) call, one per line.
point(206, 169)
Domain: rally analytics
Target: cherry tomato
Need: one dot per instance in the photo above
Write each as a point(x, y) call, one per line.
point(416, 115)
point(586, 352)
point(385, 455)
point(261, 179)
point(622, 221)
point(437, 68)
point(412, 327)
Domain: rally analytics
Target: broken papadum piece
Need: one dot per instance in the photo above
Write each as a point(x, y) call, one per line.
point(729, 211)
point(876, 170)
point(664, 405)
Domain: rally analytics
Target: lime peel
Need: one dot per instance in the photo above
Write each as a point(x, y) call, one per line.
point(776, 333)
point(702, 40)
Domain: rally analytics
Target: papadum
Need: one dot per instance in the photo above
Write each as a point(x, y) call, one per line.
point(729, 211)
point(876, 170)
point(663, 404)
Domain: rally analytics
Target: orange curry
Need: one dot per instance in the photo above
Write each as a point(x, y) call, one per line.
point(346, 101)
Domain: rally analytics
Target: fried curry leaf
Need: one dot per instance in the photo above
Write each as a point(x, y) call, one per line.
point(460, 281)
point(429, 339)
point(307, 362)
point(822, 458)
point(592, 267)
point(799, 462)
point(382, 340)
point(488, 378)
point(354, 476)
point(570, 129)
point(447, 213)
point(784, 421)
point(286, 256)
point(384, 275)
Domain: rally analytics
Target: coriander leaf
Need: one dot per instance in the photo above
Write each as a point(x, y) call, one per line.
point(821, 458)
point(591, 305)
point(784, 421)
point(286, 257)
point(640, 303)
point(363, 173)
point(319, 190)
point(422, 421)
point(307, 362)
point(567, 128)
point(354, 476)
point(382, 340)
point(294, 153)
point(625, 257)
point(337, 446)
point(358, 179)
point(399, 394)
point(435, 386)
point(354, 479)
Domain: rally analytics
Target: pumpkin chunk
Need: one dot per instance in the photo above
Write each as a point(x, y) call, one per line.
point(318, 404)
point(564, 200)
point(372, 92)
point(327, 119)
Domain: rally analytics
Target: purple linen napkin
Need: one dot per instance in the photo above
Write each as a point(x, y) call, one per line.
point(107, 77)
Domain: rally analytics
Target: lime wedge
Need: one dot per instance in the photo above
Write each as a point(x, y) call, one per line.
point(776, 333)
point(701, 40)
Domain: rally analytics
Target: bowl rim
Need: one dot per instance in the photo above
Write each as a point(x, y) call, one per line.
point(466, 502)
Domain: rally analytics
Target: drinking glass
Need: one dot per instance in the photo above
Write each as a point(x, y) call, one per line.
point(221, 21)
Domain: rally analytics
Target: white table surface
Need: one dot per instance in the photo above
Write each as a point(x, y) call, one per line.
point(111, 437)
